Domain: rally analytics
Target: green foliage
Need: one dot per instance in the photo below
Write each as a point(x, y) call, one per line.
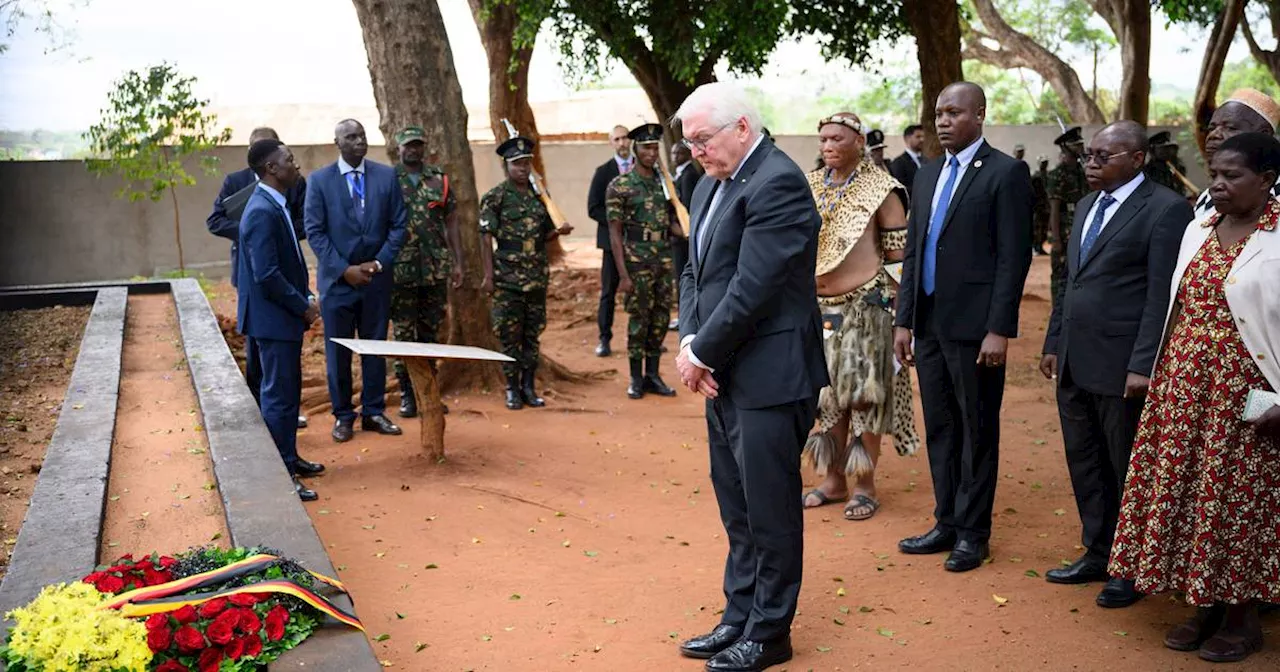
point(850, 30)
point(1058, 25)
point(1191, 12)
point(151, 123)
point(683, 44)
point(1246, 73)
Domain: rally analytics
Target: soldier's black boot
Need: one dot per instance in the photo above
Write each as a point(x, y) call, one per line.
point(513, 393)
point(636, 389)
point(527, 392)
point(652, 382)
point(408, 404)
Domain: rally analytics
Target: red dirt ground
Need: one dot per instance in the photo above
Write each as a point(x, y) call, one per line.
point(161, 491)
point(586, 536)
point(38, 350)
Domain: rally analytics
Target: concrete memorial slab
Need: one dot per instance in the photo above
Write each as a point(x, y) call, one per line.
point(418, 360)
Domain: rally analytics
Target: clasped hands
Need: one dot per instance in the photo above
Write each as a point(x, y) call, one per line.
point(694, 377)
point(359, 275)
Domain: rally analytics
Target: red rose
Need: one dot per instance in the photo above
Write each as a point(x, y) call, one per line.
point(235, 649)
point(221, 631)
point(213, 607)
point(243, 599)
point(186, 615)
point(166, 562)
point(189, 639)
point(159, 639)
point(111, 584)
point(156, 621)
point(94, 578)
point(127, 557)
point(249, 621)
point(210, 659)
point(253, 645)
point(151, 577)
point(276, 620)
point(172, 666)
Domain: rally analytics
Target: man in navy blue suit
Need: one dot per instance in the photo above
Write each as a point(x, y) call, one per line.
point(224, 222)
point(275, 305)
point(355, 221)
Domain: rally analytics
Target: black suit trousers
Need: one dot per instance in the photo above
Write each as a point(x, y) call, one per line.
point(1098, 432)
point(961, 402)
point(609, 280)
point(755, 469)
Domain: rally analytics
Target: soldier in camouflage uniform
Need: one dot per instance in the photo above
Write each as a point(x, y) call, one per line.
point(641, 225)
point(431, 256)
point(512, 215)
point(1163, 156)
point(1040, 217)
point(1066, 187)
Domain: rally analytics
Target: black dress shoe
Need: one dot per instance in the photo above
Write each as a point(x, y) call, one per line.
point(343, 431)
point(305, 468)
point(708, 645)
point(302, 422)
point(933, 541)
point(1084, 570)
point(304, 493)
point(966, 556)
point(603, 350)
point(380, 424)
point(1118, 594)
point(748, 656)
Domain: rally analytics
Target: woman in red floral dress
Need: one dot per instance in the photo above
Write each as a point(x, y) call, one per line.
point(1201, 507)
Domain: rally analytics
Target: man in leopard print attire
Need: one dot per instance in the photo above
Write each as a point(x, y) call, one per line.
point(864, 231)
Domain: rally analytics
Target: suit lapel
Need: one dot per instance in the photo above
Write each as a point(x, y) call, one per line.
point(695, 220)
point(933, 172)
point(284, 223)
point(1077, 233)
point(1128, 210)
point(970, 174)
point(729, 190)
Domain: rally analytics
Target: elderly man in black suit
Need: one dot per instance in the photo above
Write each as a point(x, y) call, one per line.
point(1104, 335)
point(750, 342)
point(224, 222)
point(620, 163)
point(967, 257)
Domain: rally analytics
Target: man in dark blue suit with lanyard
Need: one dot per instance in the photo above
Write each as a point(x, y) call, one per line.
point(355, 220)
point(275, 306)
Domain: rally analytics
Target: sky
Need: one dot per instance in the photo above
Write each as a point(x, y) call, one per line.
point(214, 41)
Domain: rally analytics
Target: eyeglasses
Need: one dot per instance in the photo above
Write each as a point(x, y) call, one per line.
point(1100, 158)
point(701, 145)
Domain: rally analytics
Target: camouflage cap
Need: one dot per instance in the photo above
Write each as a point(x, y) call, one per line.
point(410, 133)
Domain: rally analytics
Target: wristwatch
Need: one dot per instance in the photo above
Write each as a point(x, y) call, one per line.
point(377, 264)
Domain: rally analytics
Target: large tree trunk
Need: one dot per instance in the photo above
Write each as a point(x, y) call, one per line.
point(415, 82)
point(1268, 57)
point(1130, 20)
point(1020, 51)
point(936, 26)
point(1215, 57)
point(508, 72)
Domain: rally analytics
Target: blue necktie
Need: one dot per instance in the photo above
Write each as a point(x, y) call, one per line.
point(1095, 227)
point(357, 192)
point(930, 266)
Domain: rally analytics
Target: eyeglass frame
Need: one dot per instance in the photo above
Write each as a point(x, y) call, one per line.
point(701, 145)
point(1087, 157)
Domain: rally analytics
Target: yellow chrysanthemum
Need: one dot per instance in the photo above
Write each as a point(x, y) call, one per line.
point(63, 630)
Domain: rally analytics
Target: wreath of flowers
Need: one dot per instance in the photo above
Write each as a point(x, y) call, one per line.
point(206, 610)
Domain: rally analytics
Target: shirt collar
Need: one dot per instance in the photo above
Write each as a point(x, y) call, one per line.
point(275, 195)
point(344, 167)
point(1126, 190)
point(965, 157)
point(622, 163)
point(759, 139)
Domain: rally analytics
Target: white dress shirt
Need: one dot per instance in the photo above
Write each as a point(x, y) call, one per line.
point(624, 165)
point(1120, 195)
point(965, 157)
point(344, 168)
point(680, 169)
point(711, 209)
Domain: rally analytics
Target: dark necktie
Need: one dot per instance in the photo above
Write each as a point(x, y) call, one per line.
point(1095, 227)
point(357, 193)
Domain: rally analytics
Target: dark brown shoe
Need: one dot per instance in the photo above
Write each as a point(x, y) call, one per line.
point(1199, 628)
point(1239, 637)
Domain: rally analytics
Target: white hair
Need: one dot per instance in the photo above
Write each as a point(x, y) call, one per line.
point(723, 103)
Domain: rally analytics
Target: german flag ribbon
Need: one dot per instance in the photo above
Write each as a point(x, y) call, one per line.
point(140, 609)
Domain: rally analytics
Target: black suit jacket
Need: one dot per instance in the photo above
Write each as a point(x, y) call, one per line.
point(748, 292)
point(686, 183)
point(223, 225)
point(904, 169)
point(984, 251)
point(595, 201)
point(1111, 318)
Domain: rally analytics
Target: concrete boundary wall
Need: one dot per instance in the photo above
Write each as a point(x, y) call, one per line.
point(60, 224)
